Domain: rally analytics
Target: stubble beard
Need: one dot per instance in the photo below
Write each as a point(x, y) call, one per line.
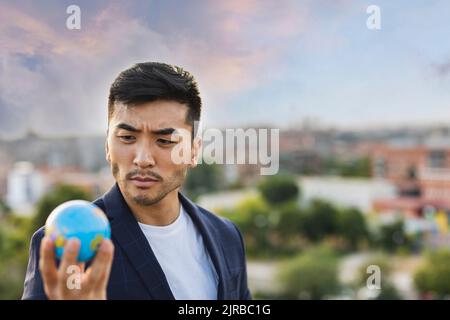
point(144, 200)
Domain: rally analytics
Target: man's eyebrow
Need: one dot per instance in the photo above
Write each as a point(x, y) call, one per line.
point(127, 127)
point(165, 131)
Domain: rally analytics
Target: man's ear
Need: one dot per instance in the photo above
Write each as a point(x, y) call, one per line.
point(195, 152)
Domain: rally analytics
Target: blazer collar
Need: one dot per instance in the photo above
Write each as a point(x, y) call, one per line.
point(126, 231)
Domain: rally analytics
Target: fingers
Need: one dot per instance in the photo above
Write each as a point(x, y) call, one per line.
point(91, 284)
point(98, 274)
point(47, 266)
point(69, 260)
point(82, 266)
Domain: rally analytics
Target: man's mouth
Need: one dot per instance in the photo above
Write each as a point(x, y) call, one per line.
point(143, 182)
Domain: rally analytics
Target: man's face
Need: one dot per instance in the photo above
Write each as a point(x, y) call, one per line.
point(139, 149)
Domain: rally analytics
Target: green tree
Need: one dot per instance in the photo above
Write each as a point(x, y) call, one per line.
point(203, 179)
point(58, 195)
point(256, 221)
point(355, 167)
point(289, 220)
point(13, 256)
point(278, 189)
point(319, 220)
point(392, 236)
point(311, 275)
point(360, 167)
point(434, 275)
point(4, 208)
point(352, 226)
point(389, 292)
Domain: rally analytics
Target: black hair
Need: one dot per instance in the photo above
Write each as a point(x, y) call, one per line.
point(152, 81)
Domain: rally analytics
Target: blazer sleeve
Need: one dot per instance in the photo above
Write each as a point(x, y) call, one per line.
point(33, 286)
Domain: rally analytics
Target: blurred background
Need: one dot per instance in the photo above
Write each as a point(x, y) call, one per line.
point(363, 114)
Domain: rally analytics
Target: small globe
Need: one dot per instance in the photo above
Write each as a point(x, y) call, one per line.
point(78, 219)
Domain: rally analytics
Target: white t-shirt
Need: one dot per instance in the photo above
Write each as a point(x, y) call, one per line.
point(184, 258)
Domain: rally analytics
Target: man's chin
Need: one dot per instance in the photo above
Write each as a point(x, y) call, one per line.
point(145, 200)
point(142, 193)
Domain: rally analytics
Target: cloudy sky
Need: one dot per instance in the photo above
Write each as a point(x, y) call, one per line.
point(271, 62)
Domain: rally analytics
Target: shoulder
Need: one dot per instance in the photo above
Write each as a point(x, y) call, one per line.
point(229, 238)
point(224, 226)
point(99, 203)
point(35, 242)
point(37, 237)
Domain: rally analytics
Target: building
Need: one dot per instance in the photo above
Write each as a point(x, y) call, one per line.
point(25, 186)
point(347, 192)
point(421, 174)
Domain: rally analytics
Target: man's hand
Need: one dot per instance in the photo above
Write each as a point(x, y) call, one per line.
point(57, 281)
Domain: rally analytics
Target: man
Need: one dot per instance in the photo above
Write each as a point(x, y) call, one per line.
point(163, 245)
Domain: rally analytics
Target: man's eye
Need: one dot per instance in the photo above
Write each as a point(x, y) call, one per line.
point(165, 142)
point(127, 138)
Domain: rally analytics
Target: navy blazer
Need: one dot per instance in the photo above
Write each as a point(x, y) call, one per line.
point(136, 273)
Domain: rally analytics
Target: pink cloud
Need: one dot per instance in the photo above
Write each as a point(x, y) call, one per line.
point(243, 40)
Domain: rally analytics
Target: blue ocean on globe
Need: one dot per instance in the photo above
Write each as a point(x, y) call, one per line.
point(78, 219)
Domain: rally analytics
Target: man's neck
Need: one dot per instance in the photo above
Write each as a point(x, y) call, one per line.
point(162, 213)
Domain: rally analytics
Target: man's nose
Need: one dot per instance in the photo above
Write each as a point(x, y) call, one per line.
point(144, 157)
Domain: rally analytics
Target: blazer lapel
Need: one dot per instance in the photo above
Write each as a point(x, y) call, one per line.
point(211, 241)
point(126, 231)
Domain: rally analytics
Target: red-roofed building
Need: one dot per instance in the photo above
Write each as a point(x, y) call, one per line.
point(421, 174)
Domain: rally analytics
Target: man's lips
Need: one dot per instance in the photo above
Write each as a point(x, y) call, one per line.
point(143, 182)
